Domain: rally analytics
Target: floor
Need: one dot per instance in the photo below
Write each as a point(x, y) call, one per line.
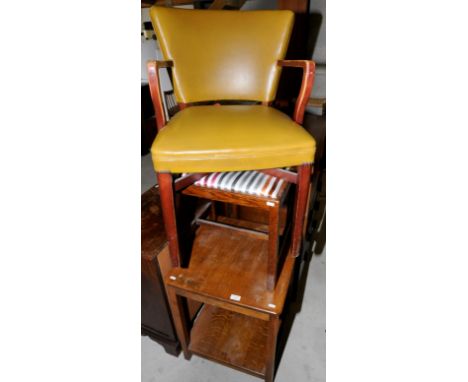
point(303, 358)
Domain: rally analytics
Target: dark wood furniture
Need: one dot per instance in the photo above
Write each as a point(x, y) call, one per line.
point(156, 320)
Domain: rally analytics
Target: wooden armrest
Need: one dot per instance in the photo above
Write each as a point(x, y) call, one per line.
point(308, 75)
point(155, 89)
point(164, 64)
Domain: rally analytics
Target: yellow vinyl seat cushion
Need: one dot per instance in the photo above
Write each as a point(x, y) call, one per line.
point(230, 138)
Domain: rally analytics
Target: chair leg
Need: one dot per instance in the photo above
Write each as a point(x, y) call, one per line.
point(166, 192)
point(273, 239)
point(300, 205)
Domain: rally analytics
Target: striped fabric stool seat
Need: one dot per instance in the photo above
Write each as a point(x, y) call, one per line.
point(244, 182)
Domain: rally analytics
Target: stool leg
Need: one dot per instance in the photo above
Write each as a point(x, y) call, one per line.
point(273, 239)
point(300, 205)
point(273, 326)
point(166, 192)
point(179, 317)
point(213, 211)
point(235, 211)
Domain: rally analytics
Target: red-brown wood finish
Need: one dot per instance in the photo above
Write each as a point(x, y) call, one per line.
point(300, 205)
point(273, 245)
point(270, 353)
point(297, 6)
point(227, 330)
point(241, 199)
point(308, 75)
point(155, 89)
point(166, 192)
point(240, 261)
point(181, 321)
point(271, 205)
point(230, 338)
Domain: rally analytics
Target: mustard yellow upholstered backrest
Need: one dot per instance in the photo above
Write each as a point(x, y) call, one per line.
point(223, 55)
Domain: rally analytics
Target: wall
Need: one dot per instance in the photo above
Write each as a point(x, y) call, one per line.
point(317, 10)
point(319, 7)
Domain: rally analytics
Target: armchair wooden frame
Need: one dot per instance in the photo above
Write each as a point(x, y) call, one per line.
point(301, 179)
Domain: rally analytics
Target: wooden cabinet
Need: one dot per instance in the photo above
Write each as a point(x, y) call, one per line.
point(156, 320)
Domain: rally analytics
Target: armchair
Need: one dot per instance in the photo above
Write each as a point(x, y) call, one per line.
point(228, 55)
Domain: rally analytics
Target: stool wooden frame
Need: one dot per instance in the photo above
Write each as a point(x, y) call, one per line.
point(301, 179)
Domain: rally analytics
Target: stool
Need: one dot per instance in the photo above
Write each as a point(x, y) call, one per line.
point(249, 189)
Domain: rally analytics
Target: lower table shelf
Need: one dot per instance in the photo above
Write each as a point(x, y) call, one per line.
point(232, 339)
point(227, 268)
